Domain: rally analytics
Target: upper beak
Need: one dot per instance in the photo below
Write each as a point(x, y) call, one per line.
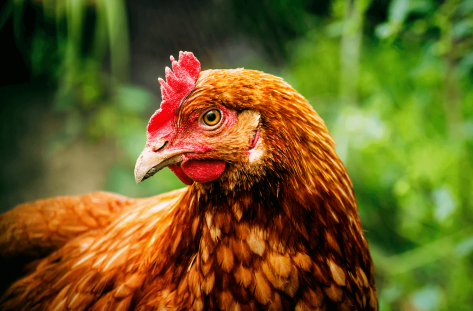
point(150, 162)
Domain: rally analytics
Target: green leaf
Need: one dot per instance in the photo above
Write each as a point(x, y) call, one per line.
point(427, 298)
point(445, 204)
point(132, 99)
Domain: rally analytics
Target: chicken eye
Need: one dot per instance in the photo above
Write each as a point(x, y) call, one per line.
point(212, 117)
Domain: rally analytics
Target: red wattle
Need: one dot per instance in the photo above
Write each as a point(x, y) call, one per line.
point(180, 174)
point(203, 170)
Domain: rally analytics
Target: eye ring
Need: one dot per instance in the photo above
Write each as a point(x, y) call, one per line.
point(212, 118)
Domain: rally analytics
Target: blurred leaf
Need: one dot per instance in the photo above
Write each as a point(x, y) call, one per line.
point(462, 28)
point(418, 257)
point(133, 99)
point(5, 12)
point(117, 26)
point(427, 298)
point(421, 6)
point(466, 64)
point(445, 204)
point(465, 247)
point(392, 293)
point(465, 6)
point(104, 123)
point(398, 10)
point(71, 130)
point(65, 100)
point(335, 29)
point(132, 137)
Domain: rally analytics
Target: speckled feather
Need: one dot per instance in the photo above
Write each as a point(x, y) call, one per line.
point(279, 231)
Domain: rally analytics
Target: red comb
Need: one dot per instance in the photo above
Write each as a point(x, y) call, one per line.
point(178, 84)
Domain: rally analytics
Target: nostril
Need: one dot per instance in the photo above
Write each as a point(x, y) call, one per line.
point(158, 148)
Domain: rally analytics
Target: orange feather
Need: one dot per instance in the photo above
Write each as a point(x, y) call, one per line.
point(279, 230)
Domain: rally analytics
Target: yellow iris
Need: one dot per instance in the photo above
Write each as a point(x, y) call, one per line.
point(212, 117)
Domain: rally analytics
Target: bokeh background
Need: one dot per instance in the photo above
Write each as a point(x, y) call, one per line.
point(393, 80)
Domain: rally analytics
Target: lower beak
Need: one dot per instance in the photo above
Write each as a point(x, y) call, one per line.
point(150, 162)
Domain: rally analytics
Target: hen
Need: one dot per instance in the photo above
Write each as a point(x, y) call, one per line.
point(269, 220)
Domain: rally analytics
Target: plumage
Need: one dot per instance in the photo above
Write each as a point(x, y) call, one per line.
point(276, 229)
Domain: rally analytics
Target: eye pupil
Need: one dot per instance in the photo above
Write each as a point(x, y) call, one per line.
point(212, 117)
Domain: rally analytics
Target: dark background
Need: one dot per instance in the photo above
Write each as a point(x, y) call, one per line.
point(392, 80)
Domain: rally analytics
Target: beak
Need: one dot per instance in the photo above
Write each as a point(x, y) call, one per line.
point(150, 162)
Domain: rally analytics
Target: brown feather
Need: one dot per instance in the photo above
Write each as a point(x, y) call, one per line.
point(279, 230)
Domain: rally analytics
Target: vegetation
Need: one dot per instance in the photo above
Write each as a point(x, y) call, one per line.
point(393, 80)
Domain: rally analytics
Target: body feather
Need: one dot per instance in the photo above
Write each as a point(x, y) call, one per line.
point(277, 231)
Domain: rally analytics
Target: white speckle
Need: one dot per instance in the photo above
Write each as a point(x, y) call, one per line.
point(208, 218)
point(255, 155)
point(115, 257)
point(257, 152)
point(82, 260)
point(192, 262)
point(84, 246)
point(334, 216)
